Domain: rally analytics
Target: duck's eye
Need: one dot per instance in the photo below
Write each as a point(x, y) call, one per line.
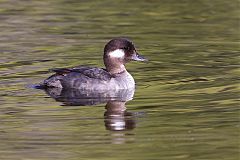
point(126, 48)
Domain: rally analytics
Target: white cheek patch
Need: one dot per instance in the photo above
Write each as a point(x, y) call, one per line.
point(118, 53)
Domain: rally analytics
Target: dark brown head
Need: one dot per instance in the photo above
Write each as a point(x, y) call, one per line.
point(119, 51)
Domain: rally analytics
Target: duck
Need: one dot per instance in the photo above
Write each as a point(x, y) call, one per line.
point(117, 52)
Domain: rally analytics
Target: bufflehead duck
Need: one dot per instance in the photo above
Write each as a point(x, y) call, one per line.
point(117, 53)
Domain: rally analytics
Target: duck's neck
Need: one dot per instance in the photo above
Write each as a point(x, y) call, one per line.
point(113, 70)
point(114, 66)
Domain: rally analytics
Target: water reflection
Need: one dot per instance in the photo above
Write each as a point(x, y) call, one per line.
point(116, 117)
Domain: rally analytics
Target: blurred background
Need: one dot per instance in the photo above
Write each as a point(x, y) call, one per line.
point(186, 102)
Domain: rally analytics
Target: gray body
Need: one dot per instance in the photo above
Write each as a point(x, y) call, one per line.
point(86, 78)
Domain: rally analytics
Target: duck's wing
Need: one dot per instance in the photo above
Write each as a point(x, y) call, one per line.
point(91, 72)
point(64, 71)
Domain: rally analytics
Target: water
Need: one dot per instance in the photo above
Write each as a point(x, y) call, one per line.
point(186, 102)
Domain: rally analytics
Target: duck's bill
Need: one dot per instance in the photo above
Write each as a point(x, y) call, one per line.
point(138, 57)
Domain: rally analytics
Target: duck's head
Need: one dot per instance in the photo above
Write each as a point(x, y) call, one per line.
point(118, 52)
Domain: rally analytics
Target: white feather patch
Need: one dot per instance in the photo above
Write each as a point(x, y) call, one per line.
point(118, 53)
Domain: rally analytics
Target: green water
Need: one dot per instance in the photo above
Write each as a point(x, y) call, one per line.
point(186, 102)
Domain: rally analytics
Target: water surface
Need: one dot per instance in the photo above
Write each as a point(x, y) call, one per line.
point(185, 105)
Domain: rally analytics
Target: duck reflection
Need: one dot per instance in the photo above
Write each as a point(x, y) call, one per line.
point(116, 117)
